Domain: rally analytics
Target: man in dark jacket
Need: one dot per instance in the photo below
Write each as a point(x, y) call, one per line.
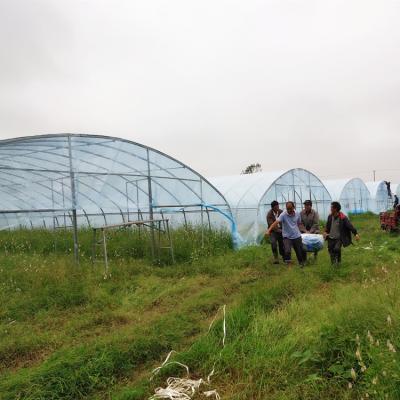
point(338, 232)
point(275, 238)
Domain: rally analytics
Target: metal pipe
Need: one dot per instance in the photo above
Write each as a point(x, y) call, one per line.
point(73, 196)
point(150, 197)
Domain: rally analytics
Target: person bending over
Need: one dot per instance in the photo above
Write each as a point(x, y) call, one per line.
point(338, 232)
point(290, 221)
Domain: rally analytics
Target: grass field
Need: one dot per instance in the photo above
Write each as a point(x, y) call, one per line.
point(318, 333)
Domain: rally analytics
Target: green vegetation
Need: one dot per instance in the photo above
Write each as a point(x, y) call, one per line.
point(318, 333)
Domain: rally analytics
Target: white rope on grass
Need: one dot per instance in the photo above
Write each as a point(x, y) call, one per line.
point(166, 363)
point(212, 393)
point(223, 341)
point(185, 388)
point(178, 389)
point(223, 326)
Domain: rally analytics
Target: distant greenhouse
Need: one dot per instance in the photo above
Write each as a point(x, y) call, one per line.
point(380, 199)
point(250, 196)
point(396, 189)
point(74, 180)
point(352, 194)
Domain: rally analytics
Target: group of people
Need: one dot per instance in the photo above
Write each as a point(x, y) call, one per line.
point(286, 227)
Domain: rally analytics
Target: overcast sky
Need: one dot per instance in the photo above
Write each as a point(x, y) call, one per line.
point(216, 84)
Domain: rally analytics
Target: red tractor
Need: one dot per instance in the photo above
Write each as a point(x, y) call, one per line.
point(390, 220)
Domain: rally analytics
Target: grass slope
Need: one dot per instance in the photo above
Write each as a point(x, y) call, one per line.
point(66, 333)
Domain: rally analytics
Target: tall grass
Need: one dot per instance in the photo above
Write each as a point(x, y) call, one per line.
point(292, 342)
point(317, 333)
point(189, 244)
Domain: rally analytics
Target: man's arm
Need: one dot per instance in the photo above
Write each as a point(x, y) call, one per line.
point(272, 227)
point(327, 227)
point(351, 228)
point(300, 224)
point(276, 223)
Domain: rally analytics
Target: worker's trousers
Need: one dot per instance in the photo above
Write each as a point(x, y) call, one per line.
point(297, 245)
point(335, 250)
point(276, 240)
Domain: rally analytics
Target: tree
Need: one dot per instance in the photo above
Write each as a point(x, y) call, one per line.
point(252, 168)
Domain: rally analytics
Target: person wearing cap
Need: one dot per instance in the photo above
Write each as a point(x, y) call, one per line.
point(276, 238)
point(309, 218)
point(309, 221)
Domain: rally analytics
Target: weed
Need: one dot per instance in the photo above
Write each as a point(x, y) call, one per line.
point(66, 333)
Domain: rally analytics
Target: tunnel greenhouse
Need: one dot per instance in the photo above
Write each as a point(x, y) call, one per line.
point(250, 196)
point(395, 189)
point(380, 199)
point(352, 194)
point(76, 180)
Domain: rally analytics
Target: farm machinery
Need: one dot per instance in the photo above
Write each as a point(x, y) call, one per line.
point(390, 220)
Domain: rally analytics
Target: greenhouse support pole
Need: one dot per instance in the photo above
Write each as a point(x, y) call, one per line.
point(73, 195)
point(127, 198)
point(52, 203)
point(151, 213)
point(202, 216)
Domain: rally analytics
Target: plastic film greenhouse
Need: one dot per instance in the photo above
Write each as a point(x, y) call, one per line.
point(250, 196)
point(352, 194)
point(380, 199)
point(395, 189)
point(73, 180)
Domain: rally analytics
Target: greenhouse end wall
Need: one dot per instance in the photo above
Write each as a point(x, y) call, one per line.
point(250, 196)
point(380, 200)
point(243, 193)
point(352, 194)
point(297, 185)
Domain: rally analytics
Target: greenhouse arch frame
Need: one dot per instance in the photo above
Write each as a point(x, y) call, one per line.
point(250, 196)
point(73, 180)
point(380, 200)
point(352, 193)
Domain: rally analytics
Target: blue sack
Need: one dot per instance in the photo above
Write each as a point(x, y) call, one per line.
point(312, 242)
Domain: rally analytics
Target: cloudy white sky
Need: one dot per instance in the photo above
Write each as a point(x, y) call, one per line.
point(216, 84)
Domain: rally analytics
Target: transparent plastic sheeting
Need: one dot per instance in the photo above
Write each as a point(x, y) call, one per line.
point(380, 200)
point(106, 180)
point(250, 197)
point(395, 189)
point(352, 194)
